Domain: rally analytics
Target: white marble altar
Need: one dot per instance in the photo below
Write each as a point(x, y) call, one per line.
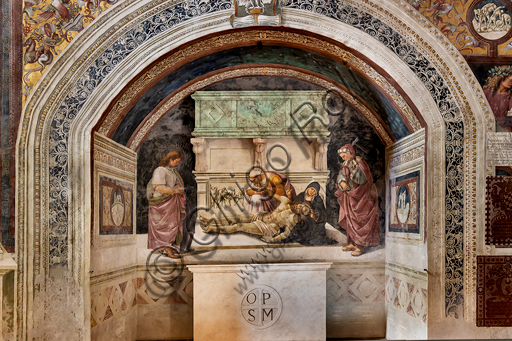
point(280, 301)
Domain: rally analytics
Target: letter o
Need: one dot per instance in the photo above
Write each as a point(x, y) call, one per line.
point(324, 102)
point(288, 157)
point(247, 298)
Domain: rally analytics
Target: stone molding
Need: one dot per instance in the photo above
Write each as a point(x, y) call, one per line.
point(276, 267)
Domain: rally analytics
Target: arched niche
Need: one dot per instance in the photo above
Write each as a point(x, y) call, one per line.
point(53, 201)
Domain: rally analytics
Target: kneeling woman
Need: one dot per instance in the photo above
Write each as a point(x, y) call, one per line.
point(311, 231)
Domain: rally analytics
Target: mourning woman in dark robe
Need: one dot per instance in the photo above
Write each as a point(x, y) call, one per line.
point(312, 230)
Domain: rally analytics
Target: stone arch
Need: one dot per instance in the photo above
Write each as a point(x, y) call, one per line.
point(54, 140)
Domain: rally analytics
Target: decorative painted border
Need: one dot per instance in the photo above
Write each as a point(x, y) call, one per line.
point(498, 186)
point(407, 291)
point(494, 274)
point(467, 271)
point(410, 155)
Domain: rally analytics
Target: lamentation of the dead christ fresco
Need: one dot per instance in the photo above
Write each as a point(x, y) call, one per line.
point(260, 170)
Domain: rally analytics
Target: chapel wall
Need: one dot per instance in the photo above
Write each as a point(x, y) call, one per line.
point(113, 262)
point(406, 248)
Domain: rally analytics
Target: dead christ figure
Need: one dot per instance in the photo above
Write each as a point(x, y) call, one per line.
point(266, 224)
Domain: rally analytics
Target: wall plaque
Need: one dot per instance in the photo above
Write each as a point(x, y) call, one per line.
point(261, 306)
point(498, 217)
point(494, 291)
point(116, 202)
point(499, 148)
point(405, 203)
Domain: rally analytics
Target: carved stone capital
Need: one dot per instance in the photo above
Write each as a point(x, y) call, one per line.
point(259, 151)
point(321, 145)
point(200, 146)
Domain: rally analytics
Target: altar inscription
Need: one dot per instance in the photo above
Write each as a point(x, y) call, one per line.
point(261, 306)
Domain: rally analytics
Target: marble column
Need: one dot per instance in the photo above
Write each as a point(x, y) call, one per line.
point(259, 151)
point(321, 145)
point(200, 148)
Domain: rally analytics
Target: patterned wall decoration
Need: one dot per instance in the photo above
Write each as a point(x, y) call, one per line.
point(10, 97)
point(113, 300)
point(408, 297)
point(120, 297)
point(363, 287)
point(355, 297)
point(405, 203)
point(48, 27)
point(498, 222)
point(494, 291)
point(116, 202)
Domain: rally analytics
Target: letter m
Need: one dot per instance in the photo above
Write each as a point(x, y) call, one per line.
point(270, 313)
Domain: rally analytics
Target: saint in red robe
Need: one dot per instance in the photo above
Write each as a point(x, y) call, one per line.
point(359, 204)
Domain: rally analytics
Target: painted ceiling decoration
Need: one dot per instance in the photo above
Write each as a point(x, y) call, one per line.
point(352, 67)
point(460, 20)
point(276, 55)
point(48, 27)
point(255, 70)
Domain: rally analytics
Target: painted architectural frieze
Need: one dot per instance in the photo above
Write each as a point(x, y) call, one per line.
point(260, 114)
